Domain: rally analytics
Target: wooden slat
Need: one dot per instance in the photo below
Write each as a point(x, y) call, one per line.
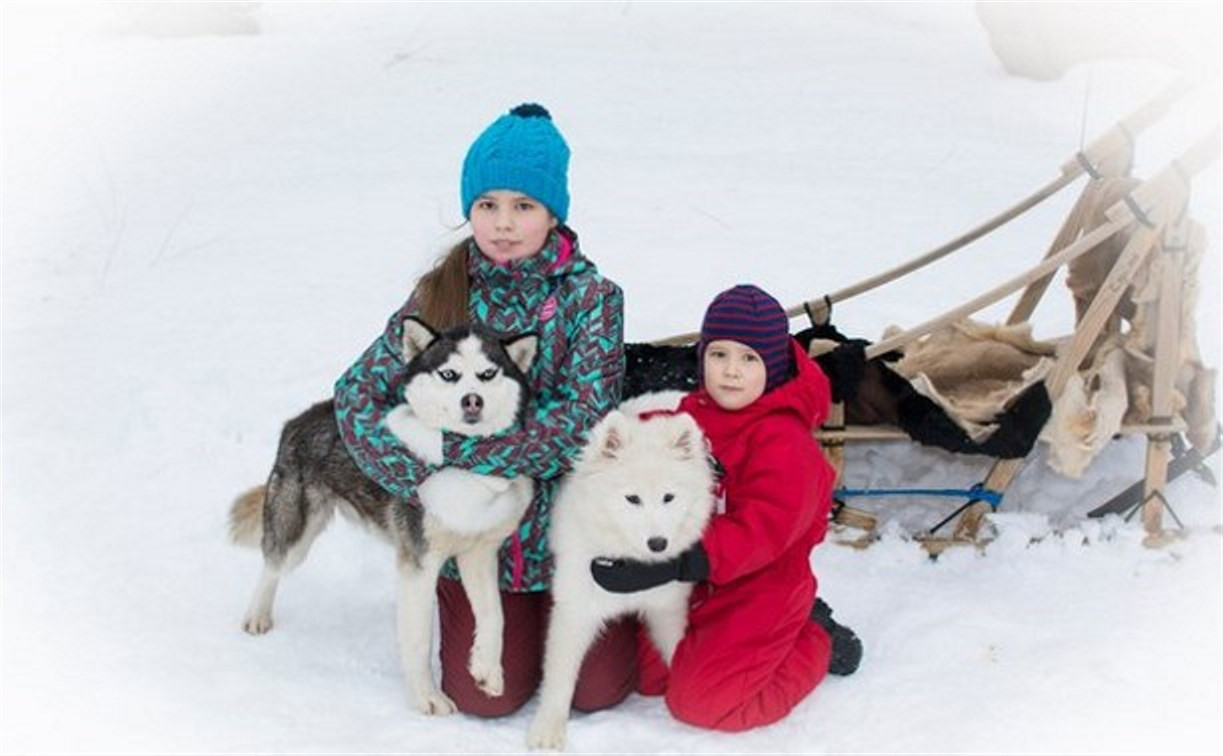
point(1101, 309)
point(1048, 265)
point(1167, 359)
point(834, 447)
point(864, 433)
point(819, 306)
point(1071, 228)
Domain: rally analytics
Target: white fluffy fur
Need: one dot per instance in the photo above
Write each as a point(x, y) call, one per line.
point(593, 518)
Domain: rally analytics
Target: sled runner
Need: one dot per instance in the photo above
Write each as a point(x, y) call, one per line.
point(1183, 460)
point(1131, 254)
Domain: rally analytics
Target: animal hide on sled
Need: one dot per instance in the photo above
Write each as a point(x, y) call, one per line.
point(649, 368)
point(881, 397)
point(1087, 414)
point(974, 371)
point(941, 408)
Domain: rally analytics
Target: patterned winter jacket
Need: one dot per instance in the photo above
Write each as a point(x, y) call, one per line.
point(576, 379)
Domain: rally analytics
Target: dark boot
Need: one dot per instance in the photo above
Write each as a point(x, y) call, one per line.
point(846, 648)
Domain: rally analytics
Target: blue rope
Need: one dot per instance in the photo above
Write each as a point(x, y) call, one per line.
point(976, 493)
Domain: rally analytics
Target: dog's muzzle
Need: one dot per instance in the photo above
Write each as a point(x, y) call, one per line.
point(472, 406)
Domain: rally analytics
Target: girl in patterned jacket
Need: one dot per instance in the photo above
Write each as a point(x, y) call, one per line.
point(520, 270)
point(758, 640)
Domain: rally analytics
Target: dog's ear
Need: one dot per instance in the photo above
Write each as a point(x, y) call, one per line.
point(417, 336)
point(686, 437)
point(609, 437)
point(522, 349)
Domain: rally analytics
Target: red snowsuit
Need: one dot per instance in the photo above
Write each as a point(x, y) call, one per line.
point(751, 651)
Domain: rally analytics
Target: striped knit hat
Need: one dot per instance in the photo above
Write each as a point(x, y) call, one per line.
point(748, 315)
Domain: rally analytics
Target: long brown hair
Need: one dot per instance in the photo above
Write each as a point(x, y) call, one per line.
point(443, 291)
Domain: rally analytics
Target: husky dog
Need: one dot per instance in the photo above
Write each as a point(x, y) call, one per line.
point(467, 380)
point(641, 489)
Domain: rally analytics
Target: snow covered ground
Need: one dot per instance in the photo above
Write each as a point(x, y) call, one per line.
point(200, 232)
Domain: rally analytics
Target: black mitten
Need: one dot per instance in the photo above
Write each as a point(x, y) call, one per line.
point(630, 575)
point(844, 367)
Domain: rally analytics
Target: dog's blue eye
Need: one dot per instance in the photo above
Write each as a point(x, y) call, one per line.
point(487, 375)
point(668, 498)
point(449, 376)
point(633, 499)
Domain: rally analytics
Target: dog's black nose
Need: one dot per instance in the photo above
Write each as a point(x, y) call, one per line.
point(657, 544)
point(472, 404)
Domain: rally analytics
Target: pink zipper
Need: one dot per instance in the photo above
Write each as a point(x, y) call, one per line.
point(519, 562)
point(564, 249)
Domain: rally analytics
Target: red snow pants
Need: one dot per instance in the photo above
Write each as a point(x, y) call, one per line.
point(745, 660)
point(608, 674)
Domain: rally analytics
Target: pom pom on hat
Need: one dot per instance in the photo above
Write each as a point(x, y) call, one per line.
point(521, 151)
point(531, 110)
point(749, 315)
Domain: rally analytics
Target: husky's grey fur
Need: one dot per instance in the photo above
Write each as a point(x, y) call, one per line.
point(467, 380)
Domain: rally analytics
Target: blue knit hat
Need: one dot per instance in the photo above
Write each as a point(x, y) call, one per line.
point(748, 315)
point(523, 152)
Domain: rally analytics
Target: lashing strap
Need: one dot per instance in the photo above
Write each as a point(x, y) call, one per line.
point(976, 493)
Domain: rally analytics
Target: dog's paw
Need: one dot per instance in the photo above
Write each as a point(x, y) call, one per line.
point(435, 704)
point(422, 441)
point(488, 676)
point(547, 732)
point(496, 484)
point(257, 624)
point(523, 486)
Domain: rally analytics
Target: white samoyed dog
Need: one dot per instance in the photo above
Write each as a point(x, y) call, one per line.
point(643, 490)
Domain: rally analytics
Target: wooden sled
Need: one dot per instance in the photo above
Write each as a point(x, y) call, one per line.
point(1151, 219)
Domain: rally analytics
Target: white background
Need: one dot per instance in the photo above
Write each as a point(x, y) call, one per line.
point(200, 233)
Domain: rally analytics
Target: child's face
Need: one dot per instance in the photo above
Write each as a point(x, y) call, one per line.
point(735, 374)
point(510, 225)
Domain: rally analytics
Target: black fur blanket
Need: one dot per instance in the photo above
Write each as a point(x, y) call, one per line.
point(881, 396)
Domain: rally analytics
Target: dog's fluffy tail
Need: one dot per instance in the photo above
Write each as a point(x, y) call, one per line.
point(246, 518)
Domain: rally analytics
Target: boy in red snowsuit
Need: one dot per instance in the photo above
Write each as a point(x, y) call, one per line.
point(758, 641)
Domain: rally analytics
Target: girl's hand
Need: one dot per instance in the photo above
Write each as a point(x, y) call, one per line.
point(423, 442)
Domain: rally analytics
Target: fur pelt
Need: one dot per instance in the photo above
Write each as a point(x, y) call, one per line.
point(974, 370)
point(882, 397)
point(1087, 414)
point(652, 367)
point(1006, 429)
point(885, 397)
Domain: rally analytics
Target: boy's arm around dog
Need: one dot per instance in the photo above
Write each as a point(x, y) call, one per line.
point(781, 500)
